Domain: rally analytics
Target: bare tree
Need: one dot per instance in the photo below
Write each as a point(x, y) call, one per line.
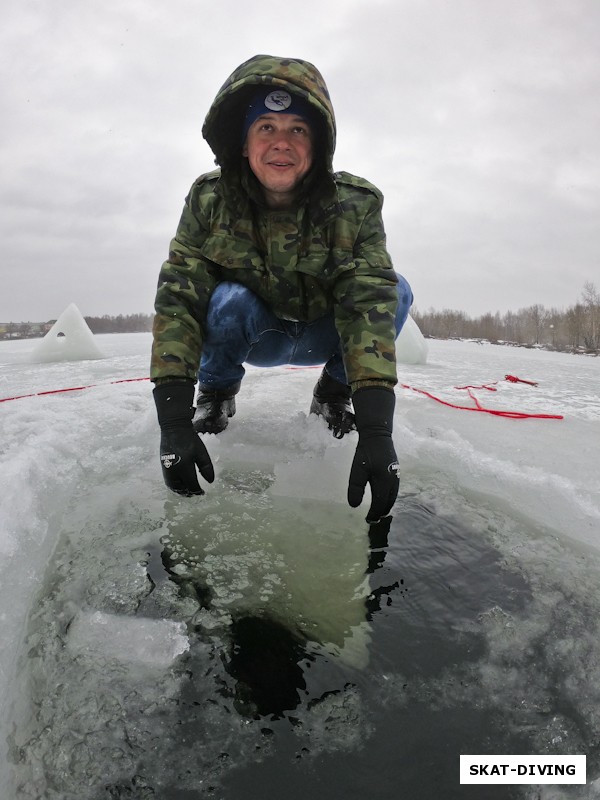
point(591, 302)
point(538, 317)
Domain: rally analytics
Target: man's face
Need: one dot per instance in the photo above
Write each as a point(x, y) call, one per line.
point(279, 150)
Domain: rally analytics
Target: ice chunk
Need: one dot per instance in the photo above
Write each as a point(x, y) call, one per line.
point(139, 640)
point(411, 347)
point(69, 339)
point(320, 477)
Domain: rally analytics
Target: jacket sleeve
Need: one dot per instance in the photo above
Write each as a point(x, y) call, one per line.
point(366, 297)
point(185, 284)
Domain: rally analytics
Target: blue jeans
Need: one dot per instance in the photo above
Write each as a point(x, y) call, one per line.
point(242, 329)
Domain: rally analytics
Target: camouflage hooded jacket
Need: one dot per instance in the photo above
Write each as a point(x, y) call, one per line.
point(327, 255)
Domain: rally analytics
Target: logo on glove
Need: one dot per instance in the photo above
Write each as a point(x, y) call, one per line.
point(168, 459)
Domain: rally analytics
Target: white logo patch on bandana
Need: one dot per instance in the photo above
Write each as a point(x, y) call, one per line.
point(278, 100)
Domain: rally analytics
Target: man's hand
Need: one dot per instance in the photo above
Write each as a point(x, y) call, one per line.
point(375, 461)
point(181, 449)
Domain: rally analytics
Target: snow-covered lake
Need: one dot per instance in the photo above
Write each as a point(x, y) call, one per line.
point(158, 646)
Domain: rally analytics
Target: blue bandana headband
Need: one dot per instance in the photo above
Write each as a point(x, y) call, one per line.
point(275, 100)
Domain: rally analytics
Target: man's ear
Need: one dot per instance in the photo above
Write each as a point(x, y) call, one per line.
point(245, 150)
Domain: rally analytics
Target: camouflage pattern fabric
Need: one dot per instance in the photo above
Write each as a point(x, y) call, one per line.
point(305, 263)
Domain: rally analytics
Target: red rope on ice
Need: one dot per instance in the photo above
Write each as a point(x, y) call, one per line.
point(70, 389)
point(484, 386)
point(478, 407)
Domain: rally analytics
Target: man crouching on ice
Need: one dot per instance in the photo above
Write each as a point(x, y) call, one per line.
point(278, 260)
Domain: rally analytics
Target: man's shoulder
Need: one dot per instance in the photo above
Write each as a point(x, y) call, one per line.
point(207, 181)
point(346, 181)
point(202, 196)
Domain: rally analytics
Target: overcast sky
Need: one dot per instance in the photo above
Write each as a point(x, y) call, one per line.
point(478, 119)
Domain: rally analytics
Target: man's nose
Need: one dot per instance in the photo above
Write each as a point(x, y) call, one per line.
point(281, 140)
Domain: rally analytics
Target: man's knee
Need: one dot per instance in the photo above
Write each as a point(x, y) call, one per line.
point(405, 295)
point(229, 301)
point(405, 301)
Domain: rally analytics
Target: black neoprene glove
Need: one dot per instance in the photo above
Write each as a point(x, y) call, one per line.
point(181, 449)
point(375, 461)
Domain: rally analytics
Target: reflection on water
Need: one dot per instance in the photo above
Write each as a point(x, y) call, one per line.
point(268, 653)
point(297, 653)
point(263, 656)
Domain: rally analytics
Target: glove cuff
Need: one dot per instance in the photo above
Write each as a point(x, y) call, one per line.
point(374, 411)
point(174, 402)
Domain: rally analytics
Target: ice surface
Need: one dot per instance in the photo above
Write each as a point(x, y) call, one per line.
point(274, 525)
point(69, 339)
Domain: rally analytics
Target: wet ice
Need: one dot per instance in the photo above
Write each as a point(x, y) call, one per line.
point(148, 642)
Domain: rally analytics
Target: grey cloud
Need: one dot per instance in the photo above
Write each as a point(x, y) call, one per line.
point(479, 121)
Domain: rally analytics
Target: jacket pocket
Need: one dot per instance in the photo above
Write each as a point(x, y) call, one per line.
point(232, 253)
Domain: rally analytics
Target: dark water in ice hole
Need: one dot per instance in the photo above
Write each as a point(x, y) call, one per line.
point(462, 660)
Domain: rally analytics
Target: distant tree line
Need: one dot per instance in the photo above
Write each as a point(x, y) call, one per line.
point(132, 323)
point(576, 330)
